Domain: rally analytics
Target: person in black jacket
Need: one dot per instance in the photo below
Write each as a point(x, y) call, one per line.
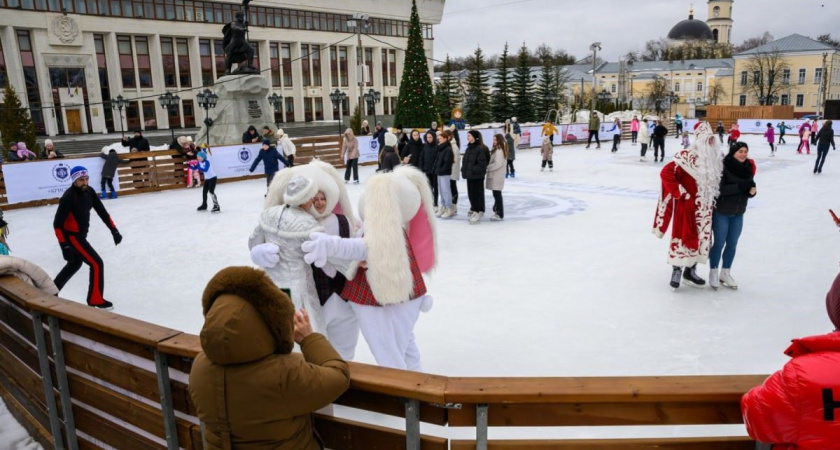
point(250, 136)
point(427, 162)
point(824, 137)
point(379, 135)
point(659, 133)
point(71, 223)
point(389, 158)
point(443, 170)
point(412, 153)
point(109, 171)
point(736, 188)
point(473, 169)
point(138, 142)
point(269, 157)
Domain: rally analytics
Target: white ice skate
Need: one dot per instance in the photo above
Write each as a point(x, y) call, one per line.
point(714, 279)
point(727, 280)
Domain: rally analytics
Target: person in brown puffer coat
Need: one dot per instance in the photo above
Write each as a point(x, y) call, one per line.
point(250, 390)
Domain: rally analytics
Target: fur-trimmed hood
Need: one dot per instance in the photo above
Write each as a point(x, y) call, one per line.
point(246, 317)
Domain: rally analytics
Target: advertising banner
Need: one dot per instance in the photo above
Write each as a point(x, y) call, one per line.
point(368, 149)
point(759, 126)
point(41, 180)
point(535, 133)
point(234, 160)
point(575, 133)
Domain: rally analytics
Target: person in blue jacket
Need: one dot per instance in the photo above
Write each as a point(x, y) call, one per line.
point(209, 180)
point(269, 156)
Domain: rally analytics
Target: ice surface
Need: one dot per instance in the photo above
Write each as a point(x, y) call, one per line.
point(572, 283)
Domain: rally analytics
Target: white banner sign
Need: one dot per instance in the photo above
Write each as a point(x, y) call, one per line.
point(41, 180)
point(368, 149)
point(575, 133)
point(759, 126)
point(234, 160)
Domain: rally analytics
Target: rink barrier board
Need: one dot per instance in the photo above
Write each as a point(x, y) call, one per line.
point(124, 393)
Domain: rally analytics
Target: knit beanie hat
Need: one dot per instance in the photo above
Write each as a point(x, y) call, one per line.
point(78, 172)
point(299, 190)
point(832, 303)
point(475, 134)
point(201, 155)
point(390, 139)
point(267, 142)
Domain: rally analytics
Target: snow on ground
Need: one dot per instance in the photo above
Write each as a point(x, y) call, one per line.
point(572, 283)
point(12, 435)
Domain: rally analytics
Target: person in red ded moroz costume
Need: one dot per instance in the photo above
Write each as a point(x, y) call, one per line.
point(798, 407)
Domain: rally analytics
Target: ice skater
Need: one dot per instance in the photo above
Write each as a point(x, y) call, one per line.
point(209, 180)
point(770, 135)
point(720, 131)
point(617, 136)
point(547, 153)
point(734, 134)
point(686, 142)
point(782, 130)
point(659, 133)
point(269, 156)
point(644, 139)
point(634, 130)
point(109, 171)
point(824, 138)
point(71, 223)
point(804, 138)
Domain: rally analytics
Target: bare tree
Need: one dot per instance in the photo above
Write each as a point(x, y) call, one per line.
point(764, 75)
point(655, 50)
point(716, 93)
point(656, 98)
point(827, 40)
point(754, 42)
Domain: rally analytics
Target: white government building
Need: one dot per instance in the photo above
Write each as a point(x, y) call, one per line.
point(68, 58)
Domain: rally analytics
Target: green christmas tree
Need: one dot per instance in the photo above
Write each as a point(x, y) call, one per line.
point(446, 92)
point(502, 104)
point(15, 123)
point(546, 95)
point(477, 105)
point(356, 121)
point(415, 105)
point(523, 87)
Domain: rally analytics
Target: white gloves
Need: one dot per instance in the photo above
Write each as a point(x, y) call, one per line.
point(322, 246)
point(265, 255)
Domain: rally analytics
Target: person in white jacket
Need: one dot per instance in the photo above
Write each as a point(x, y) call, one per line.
point(286, 146)
point(644, 138)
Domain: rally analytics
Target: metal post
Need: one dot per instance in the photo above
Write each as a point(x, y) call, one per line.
point(162, 368)
point(412, 424)
point(481, 426)
point(63, 387)
point(46, 378)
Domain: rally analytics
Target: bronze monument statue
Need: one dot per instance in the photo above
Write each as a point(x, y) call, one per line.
point(237, 48)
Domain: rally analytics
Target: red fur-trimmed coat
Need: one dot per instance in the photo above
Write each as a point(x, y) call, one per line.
point(691, 233)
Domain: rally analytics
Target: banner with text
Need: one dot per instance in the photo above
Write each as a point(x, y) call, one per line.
point(234, 160)
point(368, 149)
point(759, 126)
point(42, 180)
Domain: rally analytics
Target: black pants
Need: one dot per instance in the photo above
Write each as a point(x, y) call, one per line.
point(498, 204)
point(658, 144)
point(633, 136)
point(268, 178)
point(475, 191)
point(84, 254)
point(509, 169)
point(110, 181)
point(544, 162)
point(453, 187)
point(814, 138)
point(616, 142)
point(551, 139)
point(822, 152)
point(782, 138)
point(772, 148)
point(291, 159)
point(720, 135)
point(433, 183)
point(679, 131)
point(209, 186)
point(644, 150)
point(591, 134)
point(352, 165)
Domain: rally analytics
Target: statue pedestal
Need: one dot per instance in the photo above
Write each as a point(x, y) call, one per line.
point(243, 101)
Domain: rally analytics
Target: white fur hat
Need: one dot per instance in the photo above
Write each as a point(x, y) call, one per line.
point(280, 132)
point(299, 191)
point(390, 139)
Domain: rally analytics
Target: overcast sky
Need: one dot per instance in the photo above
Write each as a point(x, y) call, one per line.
point(620, 25)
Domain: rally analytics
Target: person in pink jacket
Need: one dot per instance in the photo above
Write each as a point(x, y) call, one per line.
point(770, 135)
point(804, 138)
point(634, 129)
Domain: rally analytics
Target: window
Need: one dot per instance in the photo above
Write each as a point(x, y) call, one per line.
point(319, 108)
point(342, 67)
point(742, 100)
point(676, 87)
point(286, 53)
point(392, 66)
point(189, 113)
point(132, 116)
point(129, 80)
point(102, 66)
point(700, 86)
point(800, 100)
point(3, 74)
point(274, 61)
point(316, 67)
point(743, 78)
point(183, 62)
point(384, 62)
point(613, 88)
point(30, 76)
point(307, 109)
point(786, 76)
point(149, 115)
point(256, 47)
point(369, 65)
point(144, 63)
point(802, 73)
point(219, 58)
point(818, 72)
point(756, 77)
point(206, 55)
point(167, 51)
point(290, 109)
point(306, 65)
point(785, 99)
point(333, 66)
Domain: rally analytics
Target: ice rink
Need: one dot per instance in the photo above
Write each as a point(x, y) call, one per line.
point(572, 283)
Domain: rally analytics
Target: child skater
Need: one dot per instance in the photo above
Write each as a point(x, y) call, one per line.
point(734, 134)
point(209, 180)
point(770, 135)
point(109, 171)
point(720, 131)
point(547, 152)
point(686, 142)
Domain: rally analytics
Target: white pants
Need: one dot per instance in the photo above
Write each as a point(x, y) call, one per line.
point(342, 326)
point(389, 332)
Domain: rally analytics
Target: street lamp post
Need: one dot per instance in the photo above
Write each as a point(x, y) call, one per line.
point(594, 47)
point(170, 103)
point(603, 96)
point(337, 97)
point(372, 98)
point(360, 22)
point(120, 103)
point(672, 98)
point(276, 102)
point(207, 99)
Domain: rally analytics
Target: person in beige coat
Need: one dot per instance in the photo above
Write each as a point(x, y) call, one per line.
point(456, 175)
point(350, 151)
point(496, 175)
point(250, 391)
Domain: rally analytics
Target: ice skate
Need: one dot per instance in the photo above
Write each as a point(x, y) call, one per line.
point(496, 217)
point(727, 280)
point(113, 194)
point(691, 277)
point(714, 279)
point(676, 276)
point(439, 211)
point(551, 169)
point(102, 195)
point(542, 169)
point(356, 182)
point(513, 174)
point(216, 209)
point(447, 213)
point(104, 305)
point(202, 208)
point(476, 218)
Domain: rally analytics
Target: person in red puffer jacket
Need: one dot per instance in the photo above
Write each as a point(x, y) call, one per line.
point(798, 407)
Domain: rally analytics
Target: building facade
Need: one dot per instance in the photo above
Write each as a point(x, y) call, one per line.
point(720, 20)
point(67, 59)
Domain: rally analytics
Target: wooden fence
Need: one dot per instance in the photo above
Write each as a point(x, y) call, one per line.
point(730, 114)
point(78, 377)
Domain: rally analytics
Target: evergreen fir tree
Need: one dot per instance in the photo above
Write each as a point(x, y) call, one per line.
point(502, 104)
point(446, 92)
point(546, 95)
point(356, 120)
point(523, 87)
point(477, 105)
point(15, 123)
point(415, 105)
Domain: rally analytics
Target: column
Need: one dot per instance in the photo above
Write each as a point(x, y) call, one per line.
point(13, 66)
point(158, 82)
point(97, 109)
point(297, 80)
point(353, 62)
point(39, 40)
point(378, 82)
point(112, 60)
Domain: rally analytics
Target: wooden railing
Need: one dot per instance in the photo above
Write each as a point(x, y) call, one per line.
point(75, 377)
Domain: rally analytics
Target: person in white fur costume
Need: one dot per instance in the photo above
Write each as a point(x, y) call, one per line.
point(385, 266)
point(331, 208)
